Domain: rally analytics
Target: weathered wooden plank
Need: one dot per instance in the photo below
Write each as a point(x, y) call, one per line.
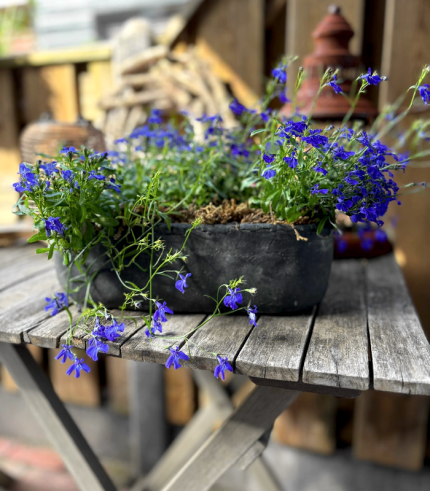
point(400, 350)
point(49, 332)
point(141, 348)
point(222, 335)
point(44, 284)
point(275, 349)
point(21, 317)
point(24, 267)
point(338, 350)
point(16, 253)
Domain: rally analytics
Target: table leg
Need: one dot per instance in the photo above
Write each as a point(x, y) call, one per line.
point(148, 428)
point(233, 440)
point(54, 418)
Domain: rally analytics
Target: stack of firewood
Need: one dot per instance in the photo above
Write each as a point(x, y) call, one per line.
point(161, 79)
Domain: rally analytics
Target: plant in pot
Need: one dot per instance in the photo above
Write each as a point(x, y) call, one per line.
point(190, 216)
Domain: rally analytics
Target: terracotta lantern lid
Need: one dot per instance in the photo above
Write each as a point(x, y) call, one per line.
point(332, 36)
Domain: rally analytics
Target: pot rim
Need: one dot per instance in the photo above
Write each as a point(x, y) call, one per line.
point(248, 227)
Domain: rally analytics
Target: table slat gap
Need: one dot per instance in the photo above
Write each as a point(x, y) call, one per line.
point(275, 348)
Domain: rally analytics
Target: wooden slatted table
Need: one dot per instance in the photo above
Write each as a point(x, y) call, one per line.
point(365, 335)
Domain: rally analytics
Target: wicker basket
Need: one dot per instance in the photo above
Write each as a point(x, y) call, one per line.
point(48, 136)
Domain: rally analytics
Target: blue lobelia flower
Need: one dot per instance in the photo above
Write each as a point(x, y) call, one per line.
point(318, 168)
point(316, 190)
point(268, 158)
point(337, 88)
point(283, 98)
point(175, 356)
point(268, 173)
point(424, 91)
point(96, 346)
point(279, 73)
point(315, 138)
point(380, 235)
point(155, 117)
point(99, 329)
point(67, 175)
point(121, 140)
point(93, 175)
point(28, 180)
point(65, 150)
point(114, 331)
point(292, 160)
point(162, 310)
point(49, 168)
point(234, 297)
point(112, 185)
point(237, 149)
point(56, 303)
point(342, 154)
point(252, 313)
point(372, 79)
point(156, 326)
point(237, 108)
point(53, 224)
point(77, 367)
point(222, 367)
point(182, 283)
point(65, 353)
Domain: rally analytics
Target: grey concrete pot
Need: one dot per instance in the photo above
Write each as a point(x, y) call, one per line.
point(290, 275)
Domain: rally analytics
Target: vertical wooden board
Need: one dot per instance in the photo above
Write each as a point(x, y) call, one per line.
point(118, 384)
point(403, 56)
point(180, 394)
point(303, 16)
point(9, 146)
point(84, 391)
point(402, 60)
point(6, 379)
point(309, 423)
point(36, 94)
point(62, 91)
point(390, 429)
point(236, 56)
point(96, 82)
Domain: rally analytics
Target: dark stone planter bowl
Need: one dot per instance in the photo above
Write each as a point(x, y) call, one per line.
point(290, 275)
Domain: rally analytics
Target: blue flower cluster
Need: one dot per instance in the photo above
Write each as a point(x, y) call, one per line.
point(28, 180)
point(57, 303)
point(96, 345)
point(369, 188)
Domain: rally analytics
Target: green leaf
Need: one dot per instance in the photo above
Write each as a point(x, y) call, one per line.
point(51, 250)
point(262, 130)
point(42, 250)
point(37, 237)
point(107, 221)
point(24, 209)
point(81, 196)
point(292, 214)
point(321, 225)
